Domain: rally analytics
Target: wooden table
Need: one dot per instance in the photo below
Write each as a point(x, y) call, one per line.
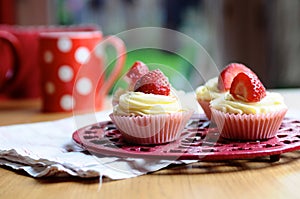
point(228, 179)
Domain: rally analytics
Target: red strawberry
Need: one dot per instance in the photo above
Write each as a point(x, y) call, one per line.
point(247, 87)
point(228, 73)
point(137, 70)
point(154, 82)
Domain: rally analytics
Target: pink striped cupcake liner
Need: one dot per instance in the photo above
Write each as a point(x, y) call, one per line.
point(205, 105)
point(151, 129)
point(248, 126)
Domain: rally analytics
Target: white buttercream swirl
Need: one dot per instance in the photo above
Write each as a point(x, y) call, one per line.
point(138, 103)
point(209, 90)
point(272, 102)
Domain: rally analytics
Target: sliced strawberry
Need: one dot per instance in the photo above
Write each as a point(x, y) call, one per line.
point(228, 73)
point(137, 70)
point(154, 82)
point(247, 87)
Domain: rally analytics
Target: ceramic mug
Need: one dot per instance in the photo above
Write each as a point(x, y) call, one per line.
point(19, 68)
point(73, 70)
point(9, 55)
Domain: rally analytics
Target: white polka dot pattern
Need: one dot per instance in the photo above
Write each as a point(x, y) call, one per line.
point(84, 86)
point(65, 73)
point(66, 86)
point(48, 56)
point(64, 44)
point(50, 88)
point(66, 102)
point(82, 55)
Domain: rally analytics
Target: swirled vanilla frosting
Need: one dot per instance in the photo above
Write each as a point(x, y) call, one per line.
point(138, 103)
point(272, 102)
point(209, 90)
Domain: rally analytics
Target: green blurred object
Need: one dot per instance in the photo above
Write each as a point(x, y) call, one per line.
point(64, 16)
point(176, 68)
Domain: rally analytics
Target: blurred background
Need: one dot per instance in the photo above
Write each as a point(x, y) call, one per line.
point(263, 34)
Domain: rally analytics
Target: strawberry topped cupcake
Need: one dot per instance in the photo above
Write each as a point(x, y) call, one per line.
point(206, 93)
point(150, 113)
point(248, 111)
point(218, 86)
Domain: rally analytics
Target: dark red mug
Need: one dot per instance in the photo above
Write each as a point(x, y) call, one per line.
point(19, 67)
point(9, 55)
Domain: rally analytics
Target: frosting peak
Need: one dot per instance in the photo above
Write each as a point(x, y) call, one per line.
point(272, 102)
point(209, 90)
point(138, 103)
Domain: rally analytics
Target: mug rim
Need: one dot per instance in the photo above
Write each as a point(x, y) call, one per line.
point(71, 34)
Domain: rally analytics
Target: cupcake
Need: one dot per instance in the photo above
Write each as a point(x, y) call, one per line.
point(151, 113)
point(206, 93)
point(248, 111)
point(218, 86)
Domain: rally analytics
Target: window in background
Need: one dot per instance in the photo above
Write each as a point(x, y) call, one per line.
point(259, 33)
point(262, 34)
point(115, 16)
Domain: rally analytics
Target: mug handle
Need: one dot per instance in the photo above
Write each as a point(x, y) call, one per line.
point(119, 45)
point(16, 48)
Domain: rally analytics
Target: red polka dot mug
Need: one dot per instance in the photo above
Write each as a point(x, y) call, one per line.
point(73, 70)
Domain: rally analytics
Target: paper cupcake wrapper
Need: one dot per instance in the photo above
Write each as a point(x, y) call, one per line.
point(248, 126)
point(151, 129)
point(205, 106)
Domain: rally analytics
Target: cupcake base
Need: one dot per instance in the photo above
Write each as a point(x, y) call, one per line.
point(205, 106)
point(151, 129)
point(248, 126)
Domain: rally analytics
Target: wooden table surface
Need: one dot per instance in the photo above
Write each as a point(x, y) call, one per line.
point(226, 179)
